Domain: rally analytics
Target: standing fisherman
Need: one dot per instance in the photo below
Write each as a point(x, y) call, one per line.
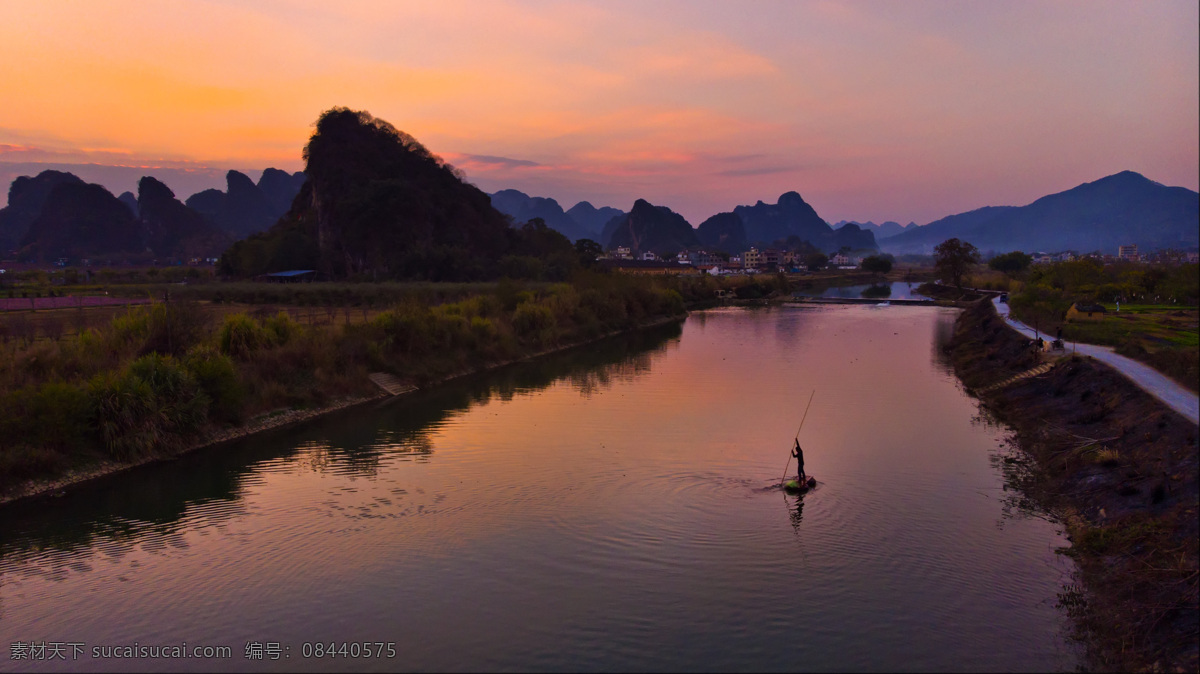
point(799, 454)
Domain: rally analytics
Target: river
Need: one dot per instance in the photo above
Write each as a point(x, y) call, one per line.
point(611, 507)
point(894, 290)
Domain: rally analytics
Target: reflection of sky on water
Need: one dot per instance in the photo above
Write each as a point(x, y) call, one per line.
point(900, 290)
point(601, 509)
point(154, 499)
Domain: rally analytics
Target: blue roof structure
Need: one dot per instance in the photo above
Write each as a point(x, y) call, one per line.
point(289, 274)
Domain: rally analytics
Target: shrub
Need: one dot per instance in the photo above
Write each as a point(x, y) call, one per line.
point(450, 330)
point(282, 327)
point(409, 327)
point(483, 330)
point(670, 302)
point(217, 377)
point(55, 415)
point(534, 322)
point(130, 328)
point(174, 327)
point(148, 407)
point(240, 336)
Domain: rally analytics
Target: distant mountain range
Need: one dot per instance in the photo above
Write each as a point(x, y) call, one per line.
point(55, 214)
point(246, 208)
point(1121, 209)
point(582, 221)
point(659, 229)
point(889, 228)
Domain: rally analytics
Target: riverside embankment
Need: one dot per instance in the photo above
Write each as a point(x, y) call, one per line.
point(284, 417)
point(161, 380)
point(1120, 470)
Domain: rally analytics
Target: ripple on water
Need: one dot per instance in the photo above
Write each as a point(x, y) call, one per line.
point(622, 515)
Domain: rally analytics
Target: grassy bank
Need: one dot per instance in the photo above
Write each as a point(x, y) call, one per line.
point(1163, 337)
point(157, 379)
point(1157, 321)
point(1121, 470)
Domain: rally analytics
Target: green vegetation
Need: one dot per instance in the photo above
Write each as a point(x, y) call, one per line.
point(158, 378)
point(879, 264)
point(1011, 263)
point(1156, 323)
point(816, 261)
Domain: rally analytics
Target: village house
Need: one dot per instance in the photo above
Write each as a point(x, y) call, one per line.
point(1085, 312)
point(700, 258)
point(619, 253)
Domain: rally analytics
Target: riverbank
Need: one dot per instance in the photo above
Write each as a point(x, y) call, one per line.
point(1119, 469)
point(157, 380)
point(281, 418)
point(277, 419)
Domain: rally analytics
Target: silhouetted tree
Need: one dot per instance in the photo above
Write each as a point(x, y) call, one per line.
point(588, 251)
point(1011, 263)
point(877, 264)
point(953, 258)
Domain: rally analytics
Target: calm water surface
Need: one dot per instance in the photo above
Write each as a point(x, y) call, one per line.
point(608, 508)
point(896, 290)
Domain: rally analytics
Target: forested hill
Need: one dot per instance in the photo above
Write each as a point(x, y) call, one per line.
point(792, 216)
point(377, 204)
point(650, 228)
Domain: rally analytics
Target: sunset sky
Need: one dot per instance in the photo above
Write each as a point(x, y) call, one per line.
point(872, 111)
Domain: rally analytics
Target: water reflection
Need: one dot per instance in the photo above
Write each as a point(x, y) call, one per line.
point(894, 290)
point(147, 504)
point(600, 514)
point(943, 334)
point(877, 291)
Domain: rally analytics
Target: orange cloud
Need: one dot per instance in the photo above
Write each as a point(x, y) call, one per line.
point(844, 101)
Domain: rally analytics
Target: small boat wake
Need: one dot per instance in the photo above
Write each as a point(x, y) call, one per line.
point(800, 487)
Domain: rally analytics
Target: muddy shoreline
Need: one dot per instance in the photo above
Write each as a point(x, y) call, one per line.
point(1119, 470)
point(273, 420)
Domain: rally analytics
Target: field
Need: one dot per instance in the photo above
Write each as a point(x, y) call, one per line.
point(1164, 337)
